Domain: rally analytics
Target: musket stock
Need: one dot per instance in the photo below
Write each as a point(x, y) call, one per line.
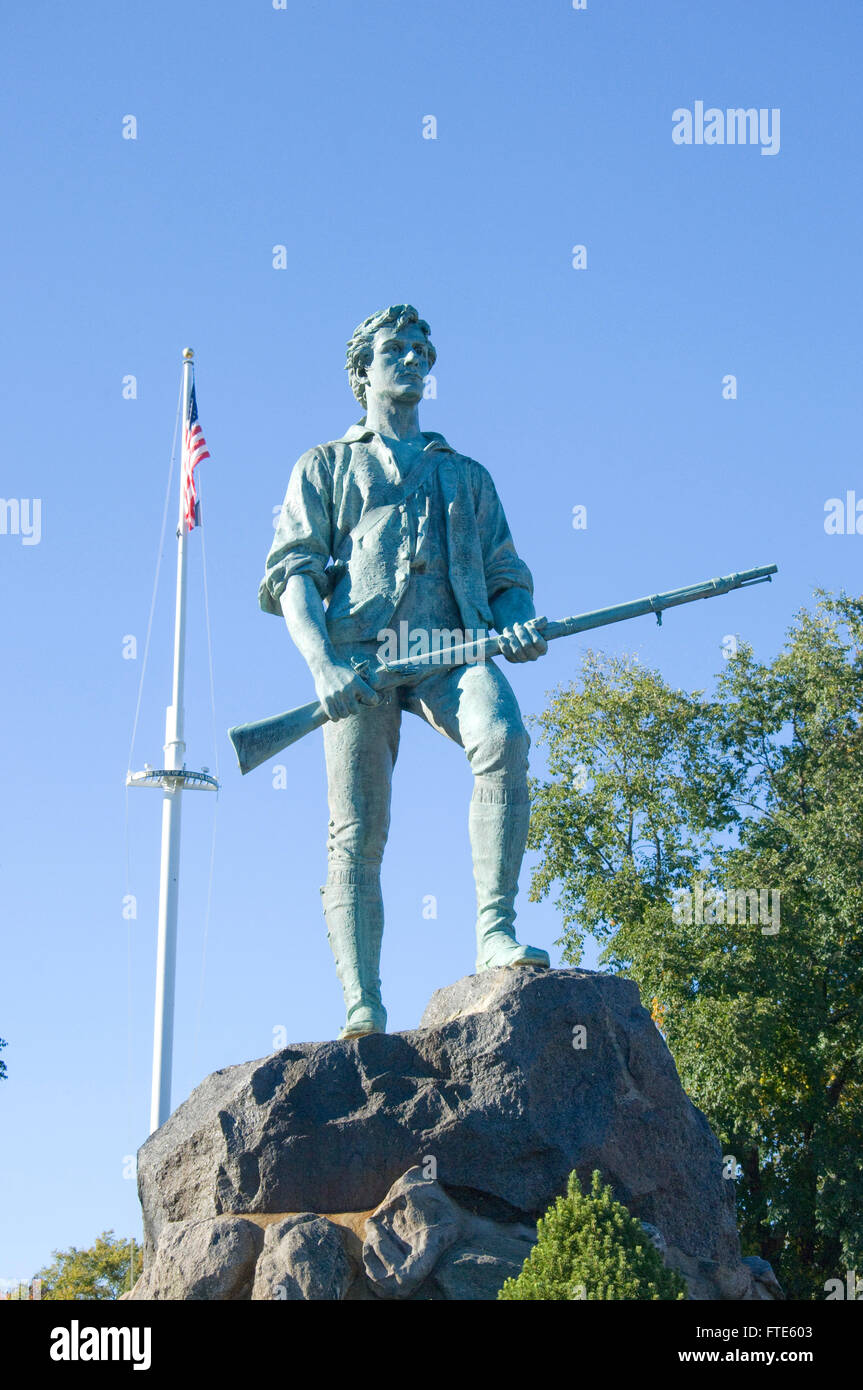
point(257, 743)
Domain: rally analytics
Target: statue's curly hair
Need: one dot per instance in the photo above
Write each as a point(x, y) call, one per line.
point(360, 345)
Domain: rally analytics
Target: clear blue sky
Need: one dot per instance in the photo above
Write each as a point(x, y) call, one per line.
point(303, 127)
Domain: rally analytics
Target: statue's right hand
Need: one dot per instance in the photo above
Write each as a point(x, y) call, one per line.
point(340, 690)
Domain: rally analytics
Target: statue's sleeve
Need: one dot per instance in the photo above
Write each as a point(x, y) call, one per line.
point(504, 569)
point(304, 535)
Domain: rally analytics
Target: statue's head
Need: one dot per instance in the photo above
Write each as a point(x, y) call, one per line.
point(391, 352)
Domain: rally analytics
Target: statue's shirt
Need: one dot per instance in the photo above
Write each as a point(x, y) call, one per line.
point(451, 538)
point(428, 602)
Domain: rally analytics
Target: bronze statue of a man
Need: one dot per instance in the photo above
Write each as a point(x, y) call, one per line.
point(389, 526)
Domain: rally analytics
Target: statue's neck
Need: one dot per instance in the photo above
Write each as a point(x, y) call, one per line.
point(395, 419)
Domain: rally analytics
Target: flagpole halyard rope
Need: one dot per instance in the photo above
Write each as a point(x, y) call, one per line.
point(210, 651)
point(156, 577)
point(216, 806)
point(206, 933)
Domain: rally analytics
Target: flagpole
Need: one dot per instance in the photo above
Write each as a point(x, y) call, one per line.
point(173, 777)
point(169, 870)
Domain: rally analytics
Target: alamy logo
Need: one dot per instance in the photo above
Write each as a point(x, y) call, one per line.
point(77, 1343)
point(440, 643)
point(852, 1288)
point(21, 517)
point(705, 905)
point(844, 515)
point(736, 125)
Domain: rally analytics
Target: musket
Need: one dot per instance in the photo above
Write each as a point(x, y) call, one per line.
point(256, 743)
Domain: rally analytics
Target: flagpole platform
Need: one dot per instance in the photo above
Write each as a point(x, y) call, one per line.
point(170, 779)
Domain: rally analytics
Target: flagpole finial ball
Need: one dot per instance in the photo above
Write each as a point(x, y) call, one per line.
point(188, 354)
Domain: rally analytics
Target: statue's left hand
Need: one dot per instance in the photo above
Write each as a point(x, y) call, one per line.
point(522, 641)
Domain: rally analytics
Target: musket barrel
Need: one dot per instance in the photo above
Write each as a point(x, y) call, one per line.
point(658, 603)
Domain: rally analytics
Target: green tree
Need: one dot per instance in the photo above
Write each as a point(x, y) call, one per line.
point(102, 1272)
point(590, 1247)
point(765, 1025)
point(636, 786)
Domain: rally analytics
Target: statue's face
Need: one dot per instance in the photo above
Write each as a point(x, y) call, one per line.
point(400, 363)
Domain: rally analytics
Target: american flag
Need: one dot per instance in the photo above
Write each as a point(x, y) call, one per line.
point(194, 449)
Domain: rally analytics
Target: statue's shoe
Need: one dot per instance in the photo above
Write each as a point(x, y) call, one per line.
point(499, 949)
point(364, 1020)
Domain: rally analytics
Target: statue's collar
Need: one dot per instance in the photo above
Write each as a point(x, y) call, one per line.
point(361, 431)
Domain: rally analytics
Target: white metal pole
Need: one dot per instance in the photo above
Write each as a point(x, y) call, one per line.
point(169, 873)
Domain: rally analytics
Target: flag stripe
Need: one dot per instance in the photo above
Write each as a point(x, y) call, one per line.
point(194, 450)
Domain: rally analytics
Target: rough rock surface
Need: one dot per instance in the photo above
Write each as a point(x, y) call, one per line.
point(463, 1131)
point(304, 1258)
point(203, 1261)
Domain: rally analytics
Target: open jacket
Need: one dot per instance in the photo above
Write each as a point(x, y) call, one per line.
point(334, 485)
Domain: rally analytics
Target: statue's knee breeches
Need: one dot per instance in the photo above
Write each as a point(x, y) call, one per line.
point(361, 752)
point(492, 729)
point(476, 707)
point(501, 754)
